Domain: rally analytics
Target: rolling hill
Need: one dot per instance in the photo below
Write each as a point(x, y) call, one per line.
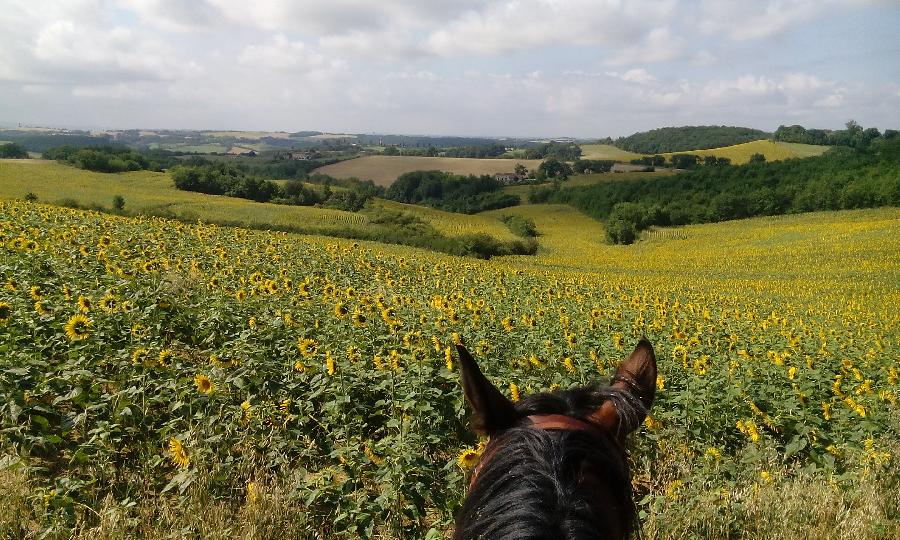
point(383, 170)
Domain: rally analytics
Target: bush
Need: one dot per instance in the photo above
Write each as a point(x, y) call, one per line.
point(519, 225)
point(118, 204)
point(31, 197)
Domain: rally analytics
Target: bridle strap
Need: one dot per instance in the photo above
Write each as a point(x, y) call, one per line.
point(543, 422)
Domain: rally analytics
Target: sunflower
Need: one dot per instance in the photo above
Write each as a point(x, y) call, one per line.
point(5, 312)
point(241, 295)
point(178, 454)
point(329, 364)
point(36, 293)
point(39, 307)
point(307, 346)
point(203, 384)
point(78, 327)
point(468, 458)
point(514, 391)
point(340, 310)
point(164, 356)
point(84, 304)
point(109, 303)
point(358, 318)
point(246, 411)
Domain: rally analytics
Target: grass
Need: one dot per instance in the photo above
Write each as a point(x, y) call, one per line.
point(452, 224)
point(383, 170)
point(774, 151)
point(607, 151)
point(154, 193)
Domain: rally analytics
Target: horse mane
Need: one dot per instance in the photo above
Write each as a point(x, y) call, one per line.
point(531, 488)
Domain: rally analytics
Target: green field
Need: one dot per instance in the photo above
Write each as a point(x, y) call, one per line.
point(383, 170)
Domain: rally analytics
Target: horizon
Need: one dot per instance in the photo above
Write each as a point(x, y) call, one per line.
point(525, 69)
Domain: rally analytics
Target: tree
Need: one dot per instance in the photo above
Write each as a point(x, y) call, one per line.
point(520, 169)
point(119, 203)
point(12, 150)
point(553, 168)
point(757, 158)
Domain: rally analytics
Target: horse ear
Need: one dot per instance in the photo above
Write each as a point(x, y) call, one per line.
point(492, 411)
point(637, 376)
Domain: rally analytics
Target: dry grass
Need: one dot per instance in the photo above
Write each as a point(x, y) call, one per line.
point(774, 151)
point(383, 170)
point(607, 151)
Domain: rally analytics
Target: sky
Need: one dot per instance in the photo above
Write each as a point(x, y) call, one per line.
point(523, 68)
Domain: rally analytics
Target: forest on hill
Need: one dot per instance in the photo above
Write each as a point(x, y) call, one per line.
point(679, 139)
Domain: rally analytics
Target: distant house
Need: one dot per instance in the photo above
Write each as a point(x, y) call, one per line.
point(510, 178)
point(242, 151)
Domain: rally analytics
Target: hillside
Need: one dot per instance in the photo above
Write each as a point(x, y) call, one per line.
point(774, 151)
point(383, 170)
point(155, 193)
point(607, 151)
point(679, 139)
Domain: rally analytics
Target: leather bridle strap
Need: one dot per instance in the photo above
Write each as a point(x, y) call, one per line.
point(539, 421)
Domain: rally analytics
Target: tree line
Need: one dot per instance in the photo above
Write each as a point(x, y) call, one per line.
point(680, 139)
point(843, 178)
point(853, 135)
point(13, 151)
point(231, 181)
point(450, 192)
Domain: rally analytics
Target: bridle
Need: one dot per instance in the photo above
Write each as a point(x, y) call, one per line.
point(541, 422)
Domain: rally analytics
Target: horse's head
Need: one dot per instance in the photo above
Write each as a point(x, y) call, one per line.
point(555, 464)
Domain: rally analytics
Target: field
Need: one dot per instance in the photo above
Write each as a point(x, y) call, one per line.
point(154, 193)
point(161, 379)
point(607, 151)
point(383, 170)
point(774, 151)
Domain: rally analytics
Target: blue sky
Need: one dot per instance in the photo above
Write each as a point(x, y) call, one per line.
point(586, 68)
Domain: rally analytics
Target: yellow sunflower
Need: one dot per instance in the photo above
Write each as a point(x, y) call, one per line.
point(84, 304)
point(78, 327)
point(468, 458)
point(5, 312)
point(178, 454)
point(307, 346)
point(204, 385)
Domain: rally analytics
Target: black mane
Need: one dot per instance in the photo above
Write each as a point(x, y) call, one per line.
point(542, 484)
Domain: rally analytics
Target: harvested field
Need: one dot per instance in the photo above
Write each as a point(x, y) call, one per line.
point(383, 170)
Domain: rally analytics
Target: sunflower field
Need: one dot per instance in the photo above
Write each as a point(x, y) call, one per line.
point(159, 379)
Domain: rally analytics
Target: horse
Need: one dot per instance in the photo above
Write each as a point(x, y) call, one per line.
point(555, 466)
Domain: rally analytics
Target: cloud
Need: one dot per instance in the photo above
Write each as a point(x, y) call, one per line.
point(638, 75)
point(659, 45)
point(741, 20)
point(503, 27)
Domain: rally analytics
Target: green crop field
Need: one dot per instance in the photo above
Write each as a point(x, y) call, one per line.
point(774, 151)
point(383, 170)
point(161, 377)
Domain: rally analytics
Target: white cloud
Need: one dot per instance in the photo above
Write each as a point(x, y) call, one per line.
point(659, 45)
point(637, 75)
point(525, 24)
